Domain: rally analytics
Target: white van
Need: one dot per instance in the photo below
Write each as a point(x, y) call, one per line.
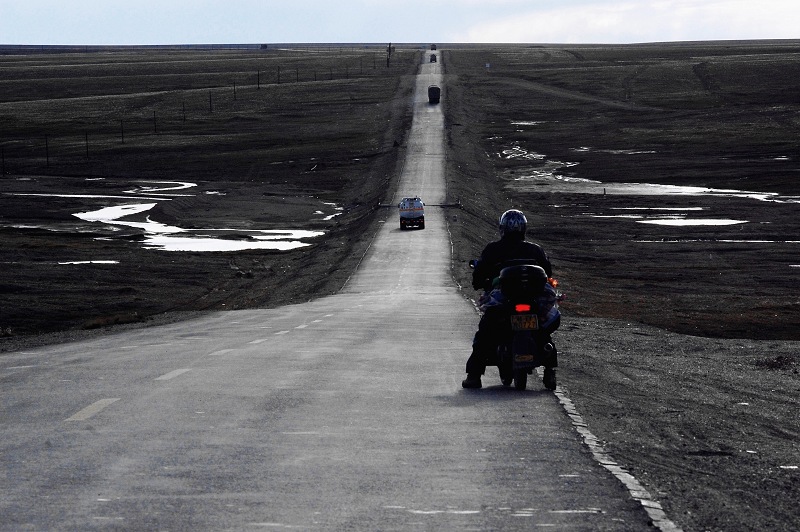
point(412, 213)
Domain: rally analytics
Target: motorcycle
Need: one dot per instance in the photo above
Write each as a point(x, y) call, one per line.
point(525, 300)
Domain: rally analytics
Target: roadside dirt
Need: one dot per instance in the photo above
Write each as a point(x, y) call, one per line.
point(327, 168)
point(679, 343)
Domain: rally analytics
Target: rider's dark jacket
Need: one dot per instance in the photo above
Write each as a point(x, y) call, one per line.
point(510, 247)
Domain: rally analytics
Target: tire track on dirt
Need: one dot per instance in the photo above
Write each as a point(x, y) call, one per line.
point(574, 95)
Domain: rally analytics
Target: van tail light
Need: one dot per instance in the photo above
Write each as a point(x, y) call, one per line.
point(522, 307)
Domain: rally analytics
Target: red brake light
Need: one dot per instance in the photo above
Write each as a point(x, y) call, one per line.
point(522, 307)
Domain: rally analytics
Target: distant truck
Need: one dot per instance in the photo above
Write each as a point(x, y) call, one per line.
point(412, 213)
point(433, 47)
point(433, 58)
point(434, 93)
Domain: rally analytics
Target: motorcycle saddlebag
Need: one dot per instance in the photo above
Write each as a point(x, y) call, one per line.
point(523, 281)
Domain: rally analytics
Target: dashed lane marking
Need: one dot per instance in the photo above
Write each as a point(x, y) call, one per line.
point(92, 409)
point(172, 374)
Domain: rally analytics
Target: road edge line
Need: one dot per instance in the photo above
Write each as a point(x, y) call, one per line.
point(637, 491)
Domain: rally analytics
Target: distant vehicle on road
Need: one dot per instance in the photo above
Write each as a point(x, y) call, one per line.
point(433, 58)
point(433, 47)
point(412, 213)
point(434, 93)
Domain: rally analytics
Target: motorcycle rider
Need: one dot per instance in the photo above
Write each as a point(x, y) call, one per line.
point(512, 245)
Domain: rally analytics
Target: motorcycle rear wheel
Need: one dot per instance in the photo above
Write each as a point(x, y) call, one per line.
point(520, 379)
point(506, 376)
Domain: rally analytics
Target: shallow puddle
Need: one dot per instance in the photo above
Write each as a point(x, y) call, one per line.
point(79, 262)
point(173, 238)
point(201, 244)
point(675, 220)
point(549, 177)
point(159, 236)
point(546, 179)
point(686, 222)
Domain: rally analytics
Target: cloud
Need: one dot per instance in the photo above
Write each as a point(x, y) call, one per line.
point(629, 21)
point(487, 21)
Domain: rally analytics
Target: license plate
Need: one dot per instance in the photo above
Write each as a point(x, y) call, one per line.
point(524, 322)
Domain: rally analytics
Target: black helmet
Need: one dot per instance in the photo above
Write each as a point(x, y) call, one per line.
point(513, 222)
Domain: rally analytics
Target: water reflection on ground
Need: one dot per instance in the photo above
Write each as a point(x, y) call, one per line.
point(673, 216)
point(547, 180)
point(173, 238)
point(549, 176)
point(165, 237)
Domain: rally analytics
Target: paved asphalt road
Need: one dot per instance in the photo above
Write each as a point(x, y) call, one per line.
point(344, 413)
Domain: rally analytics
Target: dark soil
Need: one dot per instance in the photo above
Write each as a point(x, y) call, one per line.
point(301, 128)
point(678, 343)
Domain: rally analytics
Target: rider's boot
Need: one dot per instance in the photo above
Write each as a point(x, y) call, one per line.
point(473, 380)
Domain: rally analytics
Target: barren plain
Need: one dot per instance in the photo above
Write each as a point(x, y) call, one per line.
point(662, 180)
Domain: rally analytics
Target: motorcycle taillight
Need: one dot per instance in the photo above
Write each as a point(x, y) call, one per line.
point(522, 307)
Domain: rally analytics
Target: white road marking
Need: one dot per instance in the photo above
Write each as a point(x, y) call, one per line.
point(302, 326)
point(281, 332)
point(172, 374)
point(260, 340)
point(220, 352)
point(92, 409)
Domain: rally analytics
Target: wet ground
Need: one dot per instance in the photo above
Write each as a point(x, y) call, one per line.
point(156, 235)
point(128, 199)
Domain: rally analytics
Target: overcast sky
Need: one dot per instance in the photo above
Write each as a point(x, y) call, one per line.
point(399, 21)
